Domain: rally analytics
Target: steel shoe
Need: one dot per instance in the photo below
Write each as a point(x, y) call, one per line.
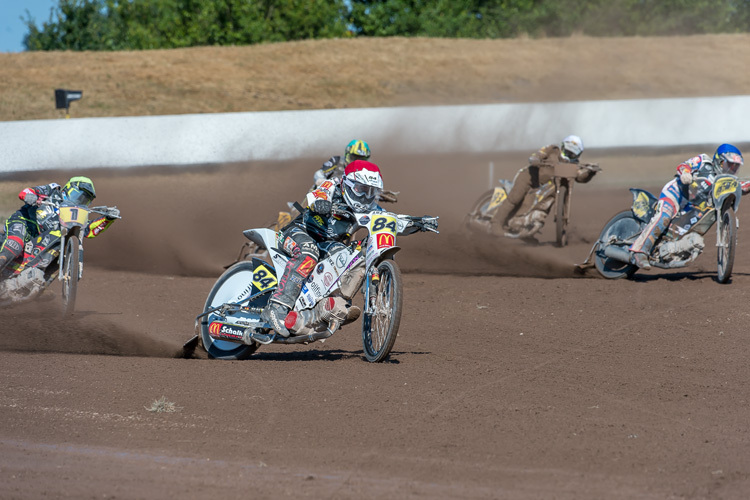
point(640, 259)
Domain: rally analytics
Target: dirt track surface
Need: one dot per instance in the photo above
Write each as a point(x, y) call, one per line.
point(512, 377)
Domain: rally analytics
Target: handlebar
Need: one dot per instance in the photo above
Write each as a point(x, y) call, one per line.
point(424, 223)
point(105, 211)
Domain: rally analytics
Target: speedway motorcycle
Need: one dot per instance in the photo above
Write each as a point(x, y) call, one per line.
point(230, 326)
point(529, 220)
point(683, 241)
point(56, 253)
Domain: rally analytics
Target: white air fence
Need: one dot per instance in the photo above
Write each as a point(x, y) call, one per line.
point(234, 137)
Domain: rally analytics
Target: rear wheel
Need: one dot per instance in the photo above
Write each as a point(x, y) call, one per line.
point(380, 327)
point(622, 226)
point(70, 272)
point(227, 288)
point(478, 216)
point(560, 216)
point(728, 235)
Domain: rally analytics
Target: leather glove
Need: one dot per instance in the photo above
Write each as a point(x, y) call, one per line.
point(112, 213)
point(686, 177)
point(429, 223)
point(31, 199)
point(745, 186)
point(321, 207)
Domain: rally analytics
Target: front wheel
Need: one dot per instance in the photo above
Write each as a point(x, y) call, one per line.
point(380, 326)
point(561, 218)
point(70, 273)
point(727, 245)
point(228, 288)
point(621, 227)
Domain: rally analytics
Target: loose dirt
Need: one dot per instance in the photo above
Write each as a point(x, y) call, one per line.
point(512, 376)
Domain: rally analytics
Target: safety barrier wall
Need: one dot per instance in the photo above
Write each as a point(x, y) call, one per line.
point(234, 137)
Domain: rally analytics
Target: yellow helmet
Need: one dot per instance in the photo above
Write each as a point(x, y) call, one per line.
point(356, 150)
point(79, 191)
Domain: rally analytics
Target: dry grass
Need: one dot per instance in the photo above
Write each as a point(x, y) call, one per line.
point(161, 405)
point(371, 73)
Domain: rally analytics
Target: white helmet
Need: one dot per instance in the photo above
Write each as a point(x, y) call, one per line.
point(571, 147)
point(361, 185)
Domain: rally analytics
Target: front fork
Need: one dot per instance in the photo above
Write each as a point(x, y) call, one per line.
point(719, 229)
point(372, 279)
point(569, 184)
point(63, 276)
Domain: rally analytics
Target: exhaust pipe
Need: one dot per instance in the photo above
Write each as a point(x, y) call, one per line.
point(618, 253)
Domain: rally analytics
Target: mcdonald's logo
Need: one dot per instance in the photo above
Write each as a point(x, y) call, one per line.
point(385, 240)
point(306, 267)
point(214, 328)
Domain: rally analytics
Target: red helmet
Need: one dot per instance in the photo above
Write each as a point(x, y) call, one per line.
point(361, 185)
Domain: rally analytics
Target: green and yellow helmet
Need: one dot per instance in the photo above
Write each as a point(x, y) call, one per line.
point(356, 150)
point(79, 191)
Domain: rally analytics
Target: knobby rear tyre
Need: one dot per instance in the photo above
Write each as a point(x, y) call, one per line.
point(224, 290)
point(478, 216)
point(623, 226)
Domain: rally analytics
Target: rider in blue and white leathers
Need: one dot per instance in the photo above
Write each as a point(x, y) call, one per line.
point(684, 189)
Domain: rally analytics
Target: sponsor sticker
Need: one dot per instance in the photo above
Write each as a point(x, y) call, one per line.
point(306, 267)
point(263, 278)
point(222, 330)
point(364, 220)
point(328, 279)
point(385, 240)
point(341, 259)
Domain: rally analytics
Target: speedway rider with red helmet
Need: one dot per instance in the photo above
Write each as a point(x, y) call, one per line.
point(318, 231)
point(683, 189)
point(24, 224)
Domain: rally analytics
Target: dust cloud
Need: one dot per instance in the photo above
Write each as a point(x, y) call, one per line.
point(33, 328)
point(188, 221)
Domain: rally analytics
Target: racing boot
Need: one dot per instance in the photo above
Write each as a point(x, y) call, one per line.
point(642, 246)
point(275, 314)
point(352, 314)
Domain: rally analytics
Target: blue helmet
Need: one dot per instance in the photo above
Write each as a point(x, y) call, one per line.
point(729, 158)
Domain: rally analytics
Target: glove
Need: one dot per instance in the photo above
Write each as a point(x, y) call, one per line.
point(321, 207)
point(112, 213)
point(745, 186)
point(429, 223)
point(686, 177)
point(31, 199)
